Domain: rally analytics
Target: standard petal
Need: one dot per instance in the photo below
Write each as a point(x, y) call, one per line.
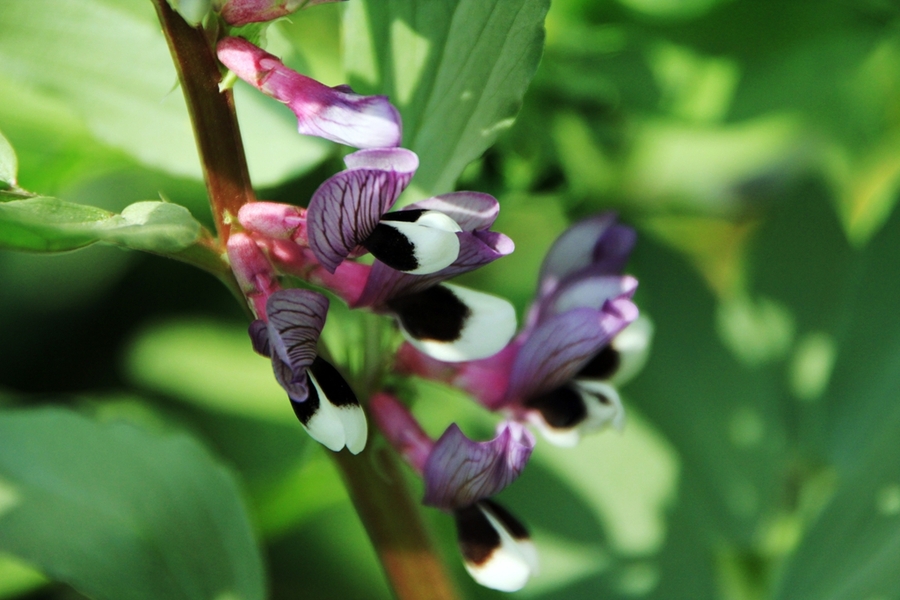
point(336, 114)
point(561, 345)
point(597, 242)
point(453, 324)
point(259, 337)
point(473, 211)
point(460, 472)
point(496, 548)
point(296, 318)
point(345, 209)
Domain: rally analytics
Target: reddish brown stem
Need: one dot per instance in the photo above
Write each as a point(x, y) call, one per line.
point(213, 117)
point(393, 521)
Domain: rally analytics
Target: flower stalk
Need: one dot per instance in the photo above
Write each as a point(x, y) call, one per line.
point(213, 118)
point(374, 479)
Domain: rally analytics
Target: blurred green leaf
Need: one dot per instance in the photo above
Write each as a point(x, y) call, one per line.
point(107, 61)
point(79, 493)
point(9, 165)
point(51, 225)
point(457, 70)
point(193, 11)
point(16, 577)
point(209, 364)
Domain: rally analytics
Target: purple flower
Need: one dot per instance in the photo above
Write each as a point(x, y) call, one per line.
point(241, 12)
point(558, 373)
point(416, 249)
point(460, 476)
point(336, 114)
point(323, 402)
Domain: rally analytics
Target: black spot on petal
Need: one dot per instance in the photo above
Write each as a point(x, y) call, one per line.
point(432, 314)
point(603, 365)
point(562, 408)
point(392, 248)
point(409, 216)
point(475, 535)
point(333, 384)
point(307, 409)
point(512, 524)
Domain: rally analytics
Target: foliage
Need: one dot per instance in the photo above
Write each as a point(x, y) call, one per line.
point(753, 144)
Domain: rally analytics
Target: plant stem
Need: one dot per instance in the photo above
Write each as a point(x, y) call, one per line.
point(392, 519)
point(213, 117)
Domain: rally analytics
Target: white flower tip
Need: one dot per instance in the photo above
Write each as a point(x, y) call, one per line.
point(496, 549)
point(584, 406)
point(418, 242)
point(454, 324)
point(331, 413)
point(633, 346)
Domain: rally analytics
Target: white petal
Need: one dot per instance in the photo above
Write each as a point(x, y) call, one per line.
point(509, 567)
point(435, 248)
point(487, 329)
point(633, 346)
point(326, 425)
point(356, 430)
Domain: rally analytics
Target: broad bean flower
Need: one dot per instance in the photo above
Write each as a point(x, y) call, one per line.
point(241, 12)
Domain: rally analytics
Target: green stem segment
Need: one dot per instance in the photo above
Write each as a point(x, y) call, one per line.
point(213, 117)
point(388, 511)
point(393, 521)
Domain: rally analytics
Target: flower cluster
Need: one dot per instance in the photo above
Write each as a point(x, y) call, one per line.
point(557, 373)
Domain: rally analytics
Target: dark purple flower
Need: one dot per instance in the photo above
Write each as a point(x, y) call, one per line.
point(323, 402)
point(558, 372)
point(460, 477)
point(336, 114)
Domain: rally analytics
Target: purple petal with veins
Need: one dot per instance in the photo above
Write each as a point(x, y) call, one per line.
point(587, 291)
point(259, 337)
point(296, 318)
point(561, 345)
point(337, 114)
point(598, 242)
point(460, 472)
point(346, 208)
point(472, 211)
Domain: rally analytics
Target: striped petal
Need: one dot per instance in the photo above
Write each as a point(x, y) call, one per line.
point(296, 318)
point(460, 472)
point(347, 208)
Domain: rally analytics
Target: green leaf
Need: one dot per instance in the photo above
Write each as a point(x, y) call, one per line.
point(121, 514)
point(107, 62)
point(8, 163)
point(193, 11)
point(51, 225)
point(457, 70)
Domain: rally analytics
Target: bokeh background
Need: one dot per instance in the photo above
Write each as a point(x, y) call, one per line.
point(754, 144)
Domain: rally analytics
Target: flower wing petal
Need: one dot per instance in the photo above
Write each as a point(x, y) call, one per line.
point(471, 210)
point(556, 349)
point(296, 318)
point(460, 472)
point(345, 209)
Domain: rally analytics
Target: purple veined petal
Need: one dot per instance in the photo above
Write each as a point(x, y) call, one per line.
point(597, 242)
point(459, 472)
point(473, 211)
point(296, 318)
point(496, 548)
point(591, 291)
point(346, 209)
point(561, 345)
point(336, 114)
point(297, 391)
point(259, 337)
